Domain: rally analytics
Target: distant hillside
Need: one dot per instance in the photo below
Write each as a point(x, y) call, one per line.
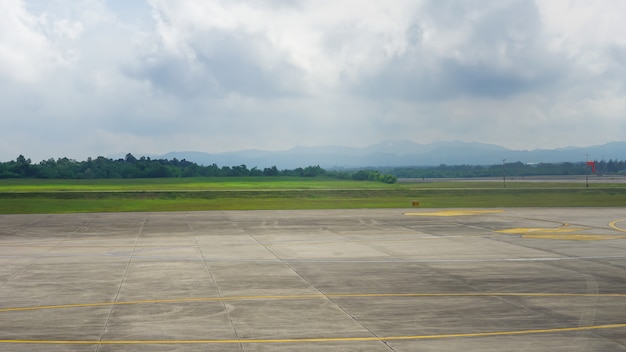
point(400, 153)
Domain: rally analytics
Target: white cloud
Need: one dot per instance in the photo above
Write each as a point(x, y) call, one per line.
point(322, 42)
point(24, 51)
point(588, 34)
point(108, 76)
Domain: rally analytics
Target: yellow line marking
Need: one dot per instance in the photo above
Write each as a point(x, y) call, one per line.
point(311, 296)
point(455, 213)
point(325, 339)
point(565, 228)
point(317, 296)
point(110, 246)
point(573, 237)
point(564, 232)
point(613, 225)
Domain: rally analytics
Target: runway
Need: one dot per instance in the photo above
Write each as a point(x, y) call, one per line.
point(514, 279)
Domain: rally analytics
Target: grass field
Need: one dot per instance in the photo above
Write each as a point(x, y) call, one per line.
point(187, 194)
point(181, 184)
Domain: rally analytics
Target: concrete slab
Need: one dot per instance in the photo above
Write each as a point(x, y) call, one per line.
point(525, 279)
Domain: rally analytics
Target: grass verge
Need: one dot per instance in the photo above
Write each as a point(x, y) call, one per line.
point(178, 195)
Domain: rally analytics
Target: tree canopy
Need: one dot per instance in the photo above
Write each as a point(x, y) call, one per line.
point(517, 169)
point(145, 167)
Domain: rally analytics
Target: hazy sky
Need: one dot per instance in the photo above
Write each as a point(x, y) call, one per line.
point(82, 78)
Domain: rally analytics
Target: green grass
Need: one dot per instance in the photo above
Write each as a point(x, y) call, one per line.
point(49, 206)
point(181, 194)
point(186, 184)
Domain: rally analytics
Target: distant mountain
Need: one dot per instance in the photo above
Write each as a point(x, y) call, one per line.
point(400, 153)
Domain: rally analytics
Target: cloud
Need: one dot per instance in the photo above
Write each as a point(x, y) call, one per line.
point(190, 56)
point(24, 52)
point(303, 47)
point(223, 64)
point(96, 77)
point(489, 50)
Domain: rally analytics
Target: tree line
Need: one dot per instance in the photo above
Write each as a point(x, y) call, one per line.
point(517, 169)
point(145, 167)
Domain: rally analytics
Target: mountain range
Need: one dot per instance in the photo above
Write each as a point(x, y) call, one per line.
point(400, 153)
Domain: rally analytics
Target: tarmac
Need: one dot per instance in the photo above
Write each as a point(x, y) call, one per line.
point(522, 279)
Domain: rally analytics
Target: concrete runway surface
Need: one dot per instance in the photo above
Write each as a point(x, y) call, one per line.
point(527, 279)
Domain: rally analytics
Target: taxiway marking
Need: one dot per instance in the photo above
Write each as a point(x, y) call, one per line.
point(323, 339)
point(313, 296)
point(446, 213)
point(613, 225)
point(326, 339)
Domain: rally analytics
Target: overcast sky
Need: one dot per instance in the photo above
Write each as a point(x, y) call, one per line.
point(84, 78)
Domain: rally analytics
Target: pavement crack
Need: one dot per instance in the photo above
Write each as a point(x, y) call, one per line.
point(330, 299)
point(119, 289)
point(217, 288)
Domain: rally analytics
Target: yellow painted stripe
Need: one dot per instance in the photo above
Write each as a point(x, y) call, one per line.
point(563, 232)
point(324, 339)
point(565, 229)
point(613, 225)
point(455, 213)
point(312, 296)
point(572, 237)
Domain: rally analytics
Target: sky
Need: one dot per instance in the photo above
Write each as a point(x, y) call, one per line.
point(88, 78)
